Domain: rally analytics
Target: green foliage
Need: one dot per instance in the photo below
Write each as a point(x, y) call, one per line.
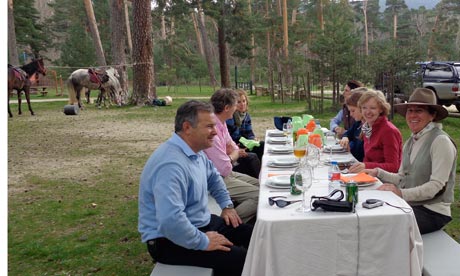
point(29, 32)
point(336, 46)
point(71, 35)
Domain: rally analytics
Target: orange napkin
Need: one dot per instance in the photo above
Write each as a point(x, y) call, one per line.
point(276, 174)
point(359, 178)
point(315, 139)
point(311, 126)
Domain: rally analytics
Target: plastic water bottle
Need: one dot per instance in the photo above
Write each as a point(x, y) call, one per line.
point(318, 125)
point(334, 176)
point(289, 135)
point(334, 171)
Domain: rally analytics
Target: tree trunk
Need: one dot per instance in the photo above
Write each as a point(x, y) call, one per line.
point(252, 60)
point(128, 28)
point(206, 45)
point(144, 90)
point(366, 33)
point(395, 26)
point(163, 27)
point(320, 14)
point(13, 57)
point(94, 33)
point(433, 31)
point(199, 41)
point(285, 31)
point(223, 61)
point(118, 38)
point(269, 54)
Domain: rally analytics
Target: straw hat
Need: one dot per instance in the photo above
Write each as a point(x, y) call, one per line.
point(426, 97)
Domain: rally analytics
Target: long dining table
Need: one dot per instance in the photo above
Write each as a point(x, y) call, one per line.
point(379, 241)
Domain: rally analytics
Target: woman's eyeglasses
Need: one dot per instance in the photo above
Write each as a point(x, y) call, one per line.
point(280, 202)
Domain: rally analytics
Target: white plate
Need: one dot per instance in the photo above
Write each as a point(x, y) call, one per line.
point(280, 180)
point(280, 149)
point(342, 159)
point(335, 148)
point(283, 162)
point(275, 133)
point(277, 140)
point(271, 185)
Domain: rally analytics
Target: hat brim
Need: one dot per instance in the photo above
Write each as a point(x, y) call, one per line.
point(441, 112)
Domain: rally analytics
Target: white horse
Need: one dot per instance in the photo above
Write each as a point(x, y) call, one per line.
point(114, 93)
point(85, 79)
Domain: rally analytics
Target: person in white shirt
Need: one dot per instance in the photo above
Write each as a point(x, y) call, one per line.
point(426, 177)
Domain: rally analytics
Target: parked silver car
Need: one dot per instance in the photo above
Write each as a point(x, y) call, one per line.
point(444, 79)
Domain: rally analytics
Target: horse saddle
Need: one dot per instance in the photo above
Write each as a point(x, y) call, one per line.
point(97, 75)
point(19, 73)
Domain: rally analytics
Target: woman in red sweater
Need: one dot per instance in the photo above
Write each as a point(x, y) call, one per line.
point(382, 140)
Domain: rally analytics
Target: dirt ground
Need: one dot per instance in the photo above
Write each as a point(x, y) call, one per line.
point(54, 146)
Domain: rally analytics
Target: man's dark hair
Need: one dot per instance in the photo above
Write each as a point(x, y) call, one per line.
point(223, 97)
point(354, 84)
point(188, 112)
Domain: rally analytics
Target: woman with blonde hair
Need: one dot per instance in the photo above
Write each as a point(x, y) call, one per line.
point(382, 139)
point(240, 124)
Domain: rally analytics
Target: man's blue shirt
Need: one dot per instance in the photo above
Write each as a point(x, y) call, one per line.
point(173, 194)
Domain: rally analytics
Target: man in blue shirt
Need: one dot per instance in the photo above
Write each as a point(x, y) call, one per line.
point(174, 219)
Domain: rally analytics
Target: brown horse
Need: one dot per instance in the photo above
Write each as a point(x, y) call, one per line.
point(19, 80)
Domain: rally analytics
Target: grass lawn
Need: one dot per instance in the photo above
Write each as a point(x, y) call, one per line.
point(73, 181)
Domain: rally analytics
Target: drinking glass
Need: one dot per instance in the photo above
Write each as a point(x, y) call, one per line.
point(329, 141)
point(287, 131)
point(303, 182)
point(312, 157)
point(300, 150)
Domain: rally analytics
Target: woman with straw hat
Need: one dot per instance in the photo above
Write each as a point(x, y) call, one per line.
point(426, 177)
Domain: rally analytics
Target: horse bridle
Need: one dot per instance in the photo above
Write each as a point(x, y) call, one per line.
point(41, 67)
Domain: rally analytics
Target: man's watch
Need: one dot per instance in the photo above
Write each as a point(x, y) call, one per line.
point(230, 206)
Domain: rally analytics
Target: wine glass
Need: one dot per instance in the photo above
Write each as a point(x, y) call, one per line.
point(300, 150)
point(312, 157)
point(303, 182)
point(329, 141)
point(287, 131)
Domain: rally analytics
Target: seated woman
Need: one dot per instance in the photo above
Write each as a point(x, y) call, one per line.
point(426, 178)
point(382, 140)
point(351, 139)
point(240, 125)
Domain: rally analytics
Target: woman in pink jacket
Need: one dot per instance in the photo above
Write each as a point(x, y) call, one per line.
point(382, 139)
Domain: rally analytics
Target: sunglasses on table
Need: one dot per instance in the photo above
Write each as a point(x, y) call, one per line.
point(281, 202)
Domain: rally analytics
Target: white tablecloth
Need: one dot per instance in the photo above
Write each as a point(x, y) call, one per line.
point(380, 241)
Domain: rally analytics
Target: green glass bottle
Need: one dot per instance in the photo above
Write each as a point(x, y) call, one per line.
point(294, 190)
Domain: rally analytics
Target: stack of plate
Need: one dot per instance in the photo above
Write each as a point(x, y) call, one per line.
point(277, 140)
point(288, 162)
point(275, 133)
point(342, 161)
point(334, 148)
point(280, 149)
point(279, 181)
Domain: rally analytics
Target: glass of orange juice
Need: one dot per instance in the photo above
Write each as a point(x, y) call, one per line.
point(300, 149)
